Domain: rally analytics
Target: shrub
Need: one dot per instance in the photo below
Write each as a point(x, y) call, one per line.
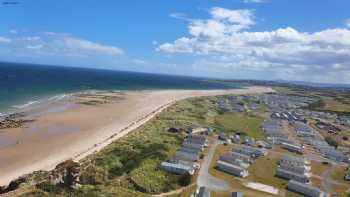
point(331, 142)
point(185, 180)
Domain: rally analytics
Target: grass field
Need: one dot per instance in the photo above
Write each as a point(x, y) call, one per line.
point(237, 122)
point(264, 170)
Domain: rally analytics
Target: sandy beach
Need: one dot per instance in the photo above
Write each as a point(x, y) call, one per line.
point(60, 132)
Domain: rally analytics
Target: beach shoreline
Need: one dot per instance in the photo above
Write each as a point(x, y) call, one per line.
point(82, 130)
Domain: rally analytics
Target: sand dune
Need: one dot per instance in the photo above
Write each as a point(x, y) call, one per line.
point(79, 130)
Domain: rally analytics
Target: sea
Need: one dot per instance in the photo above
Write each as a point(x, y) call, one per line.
point(23, 86)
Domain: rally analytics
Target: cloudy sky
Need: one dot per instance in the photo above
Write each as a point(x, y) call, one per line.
point(305, 40)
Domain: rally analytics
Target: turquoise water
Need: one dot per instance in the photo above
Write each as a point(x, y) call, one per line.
point(22, 85)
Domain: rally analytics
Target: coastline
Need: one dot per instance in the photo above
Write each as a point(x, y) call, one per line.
point(103, 127)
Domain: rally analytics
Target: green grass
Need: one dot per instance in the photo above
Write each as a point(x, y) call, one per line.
point(250, 125)
point(263, 170)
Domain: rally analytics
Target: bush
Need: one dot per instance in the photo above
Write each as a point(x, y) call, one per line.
point(48, 187)
point(185, 180)
point(331, 142)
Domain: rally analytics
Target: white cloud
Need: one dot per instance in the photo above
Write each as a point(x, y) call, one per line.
point(254, 1)
point(223, 41)
point(139, 61)
point(179, 15)
point(347, 22)
point(58, 48)
point(59, 44)
point(81, 44)
point(31, 38)
point(34, 46)
point(13, 31)
point(5, 40)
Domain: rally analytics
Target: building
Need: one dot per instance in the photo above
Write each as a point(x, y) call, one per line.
point(306, 189)
point(301, 169)
point(249, 141)
point(196, 141)
point(189, 150)
point(177, 168)
point(203, 192)
point(198, 130)
point(231, 169)
point(293, 147)
point(193, 146)
point(334, 155)
point(278, 140)
point(232, 160)
point(290, 175)
point(222, 136)
point(293, 160)
point(180, 155)
point(303, 130)
point(236, 194)
point(198, 137)
point(250, 151)
point(347, 176)
point(244, 158)
point(194, 165)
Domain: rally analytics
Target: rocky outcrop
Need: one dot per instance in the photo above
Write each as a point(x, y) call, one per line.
point(13, 121)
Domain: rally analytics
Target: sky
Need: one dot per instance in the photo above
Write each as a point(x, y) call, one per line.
point(301, 40)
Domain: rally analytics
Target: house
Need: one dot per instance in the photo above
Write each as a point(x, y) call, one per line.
point(250, 151)
point(196, 141)
point(293, 147)
point(301, 169)
point(290, 175)
point(198, 130)
point(233, 160)
point(334, 155)
point(249, 141)
point(194, 165)
point(198, 147)
point(306, 189)
point(236, 139)
point(244, 158)
point(236, 194)
point(347, 176)
point(231, 169)
point(203, 192)
point(189, 150)
point(199, 137)
point(303, 130)
point(293, 160)
point(180, 155)
point(276, 139)
point(222, 136)
point(177, 168)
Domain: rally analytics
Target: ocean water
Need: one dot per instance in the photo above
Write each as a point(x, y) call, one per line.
point(24, 85)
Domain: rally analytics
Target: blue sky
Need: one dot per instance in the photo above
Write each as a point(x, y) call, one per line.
point(258, 39)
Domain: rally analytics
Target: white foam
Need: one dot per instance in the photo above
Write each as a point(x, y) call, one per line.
point(29, 103)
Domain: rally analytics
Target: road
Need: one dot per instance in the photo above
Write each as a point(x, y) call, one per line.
point(207, 180)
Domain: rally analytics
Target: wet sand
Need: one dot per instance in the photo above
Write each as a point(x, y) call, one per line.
point(73, 131)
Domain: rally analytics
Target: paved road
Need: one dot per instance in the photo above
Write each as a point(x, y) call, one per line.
point(207, 180)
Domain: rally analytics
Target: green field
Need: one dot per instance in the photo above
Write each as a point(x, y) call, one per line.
point(243, 123)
